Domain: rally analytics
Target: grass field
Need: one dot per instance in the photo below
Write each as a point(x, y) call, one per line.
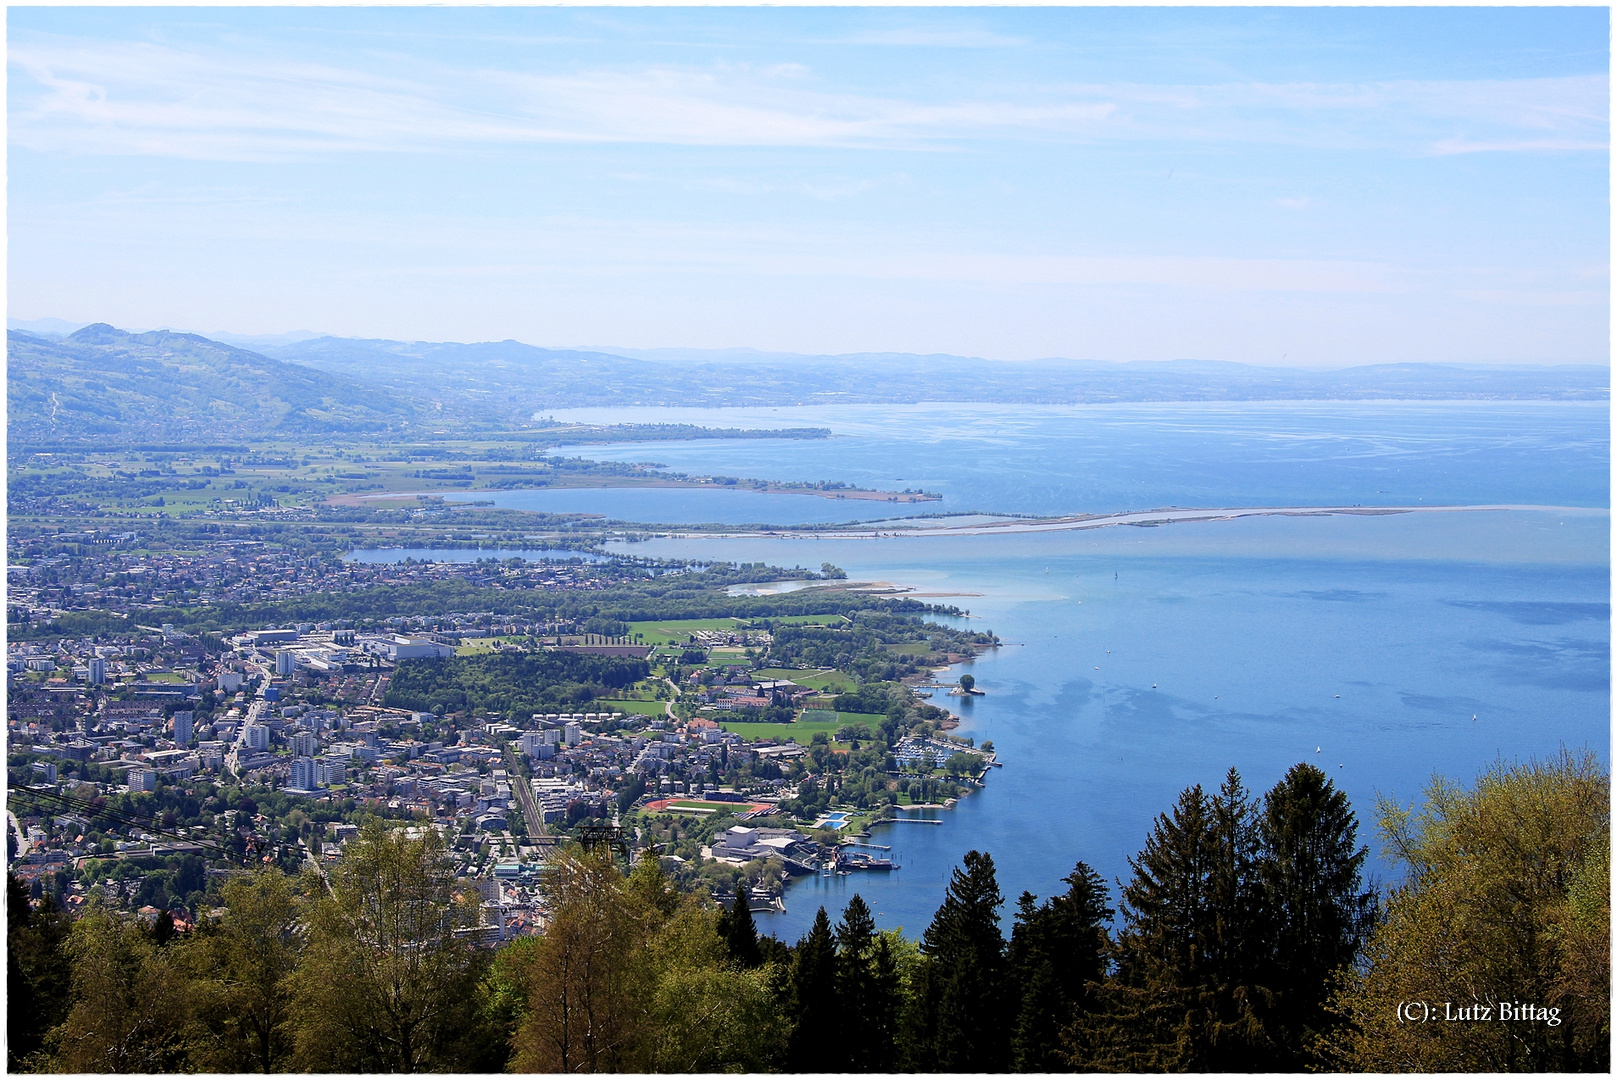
point(700, 806)
point(675, 631)
point(801, 732)
point(644, 708)
point(785, 673)
point(833, 681)
point(909, 648)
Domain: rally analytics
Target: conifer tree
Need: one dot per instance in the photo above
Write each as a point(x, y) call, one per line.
point(37, 975)
point(885, 1004)
point(1058, 953)
point(1185, 998)
point(855, 986)
point(969, 1027)
point(741, 933)
point(1317, 913)
point(812, 1047)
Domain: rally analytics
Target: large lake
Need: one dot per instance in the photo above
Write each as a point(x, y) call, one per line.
point(1144, 660)
point(1065, 459)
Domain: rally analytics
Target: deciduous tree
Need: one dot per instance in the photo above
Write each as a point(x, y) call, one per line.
point(385, 983)
point(1505, 908)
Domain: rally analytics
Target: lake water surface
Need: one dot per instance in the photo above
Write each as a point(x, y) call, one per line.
point(1142, 660)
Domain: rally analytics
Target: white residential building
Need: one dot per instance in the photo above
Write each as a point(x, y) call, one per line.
point(304, 776)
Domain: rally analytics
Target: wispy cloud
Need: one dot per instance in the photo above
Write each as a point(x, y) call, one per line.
point(126, 98)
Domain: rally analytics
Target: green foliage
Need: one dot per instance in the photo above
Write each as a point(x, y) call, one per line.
point(385, 984)
point(961, 1025)
point(1240, 921)
point(1059, 953)
point(1188, 951)
point(37, 980)
point(241, 970)
point(514, 685)
point(629, 977)
point(740, 933)
point(814, 1001)
point(1317, 915)
point(1507, 901)
point(103, 383)
point(131, 1001)
point(867, 993)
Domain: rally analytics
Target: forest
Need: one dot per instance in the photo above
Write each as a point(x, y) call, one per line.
point(514, 685)
point(1245, 938)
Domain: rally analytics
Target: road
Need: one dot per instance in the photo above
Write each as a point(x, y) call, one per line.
point(22, 837)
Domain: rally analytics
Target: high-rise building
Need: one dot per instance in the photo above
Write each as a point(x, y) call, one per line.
point(305, 744)
point(305, 774)
point(230, 681)
point(98, 671)
point(142, 779)
point(255, 737)
point(182, 727)
point(331, 770)
point(284, 664)
point(572, 735)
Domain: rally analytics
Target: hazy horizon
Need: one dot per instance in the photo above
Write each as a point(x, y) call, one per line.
point(1295, 187)
point(51, 325)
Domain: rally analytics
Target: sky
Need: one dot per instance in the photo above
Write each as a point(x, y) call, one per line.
point(1309, 187)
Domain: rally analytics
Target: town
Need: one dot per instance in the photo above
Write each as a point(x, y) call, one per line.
point(149, 760)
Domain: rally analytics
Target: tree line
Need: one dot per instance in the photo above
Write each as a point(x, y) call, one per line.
point(1244, 938)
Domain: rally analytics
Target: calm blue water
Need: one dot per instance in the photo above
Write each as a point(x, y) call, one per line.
point(694, 506)
point(1250, 630)
point(1063, 459)
point(1373, 639)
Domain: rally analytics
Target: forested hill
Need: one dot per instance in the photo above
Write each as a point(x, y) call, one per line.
point(106, 384)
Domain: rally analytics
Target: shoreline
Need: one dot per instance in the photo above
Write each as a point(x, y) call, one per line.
point(1076, 522)
point(614, 483)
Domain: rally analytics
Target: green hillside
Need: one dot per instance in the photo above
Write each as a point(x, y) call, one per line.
point(105, 384)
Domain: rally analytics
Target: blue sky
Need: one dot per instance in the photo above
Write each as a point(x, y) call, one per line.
point(1302, 186)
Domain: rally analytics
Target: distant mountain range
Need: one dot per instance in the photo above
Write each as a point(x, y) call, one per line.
point(100, 382)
